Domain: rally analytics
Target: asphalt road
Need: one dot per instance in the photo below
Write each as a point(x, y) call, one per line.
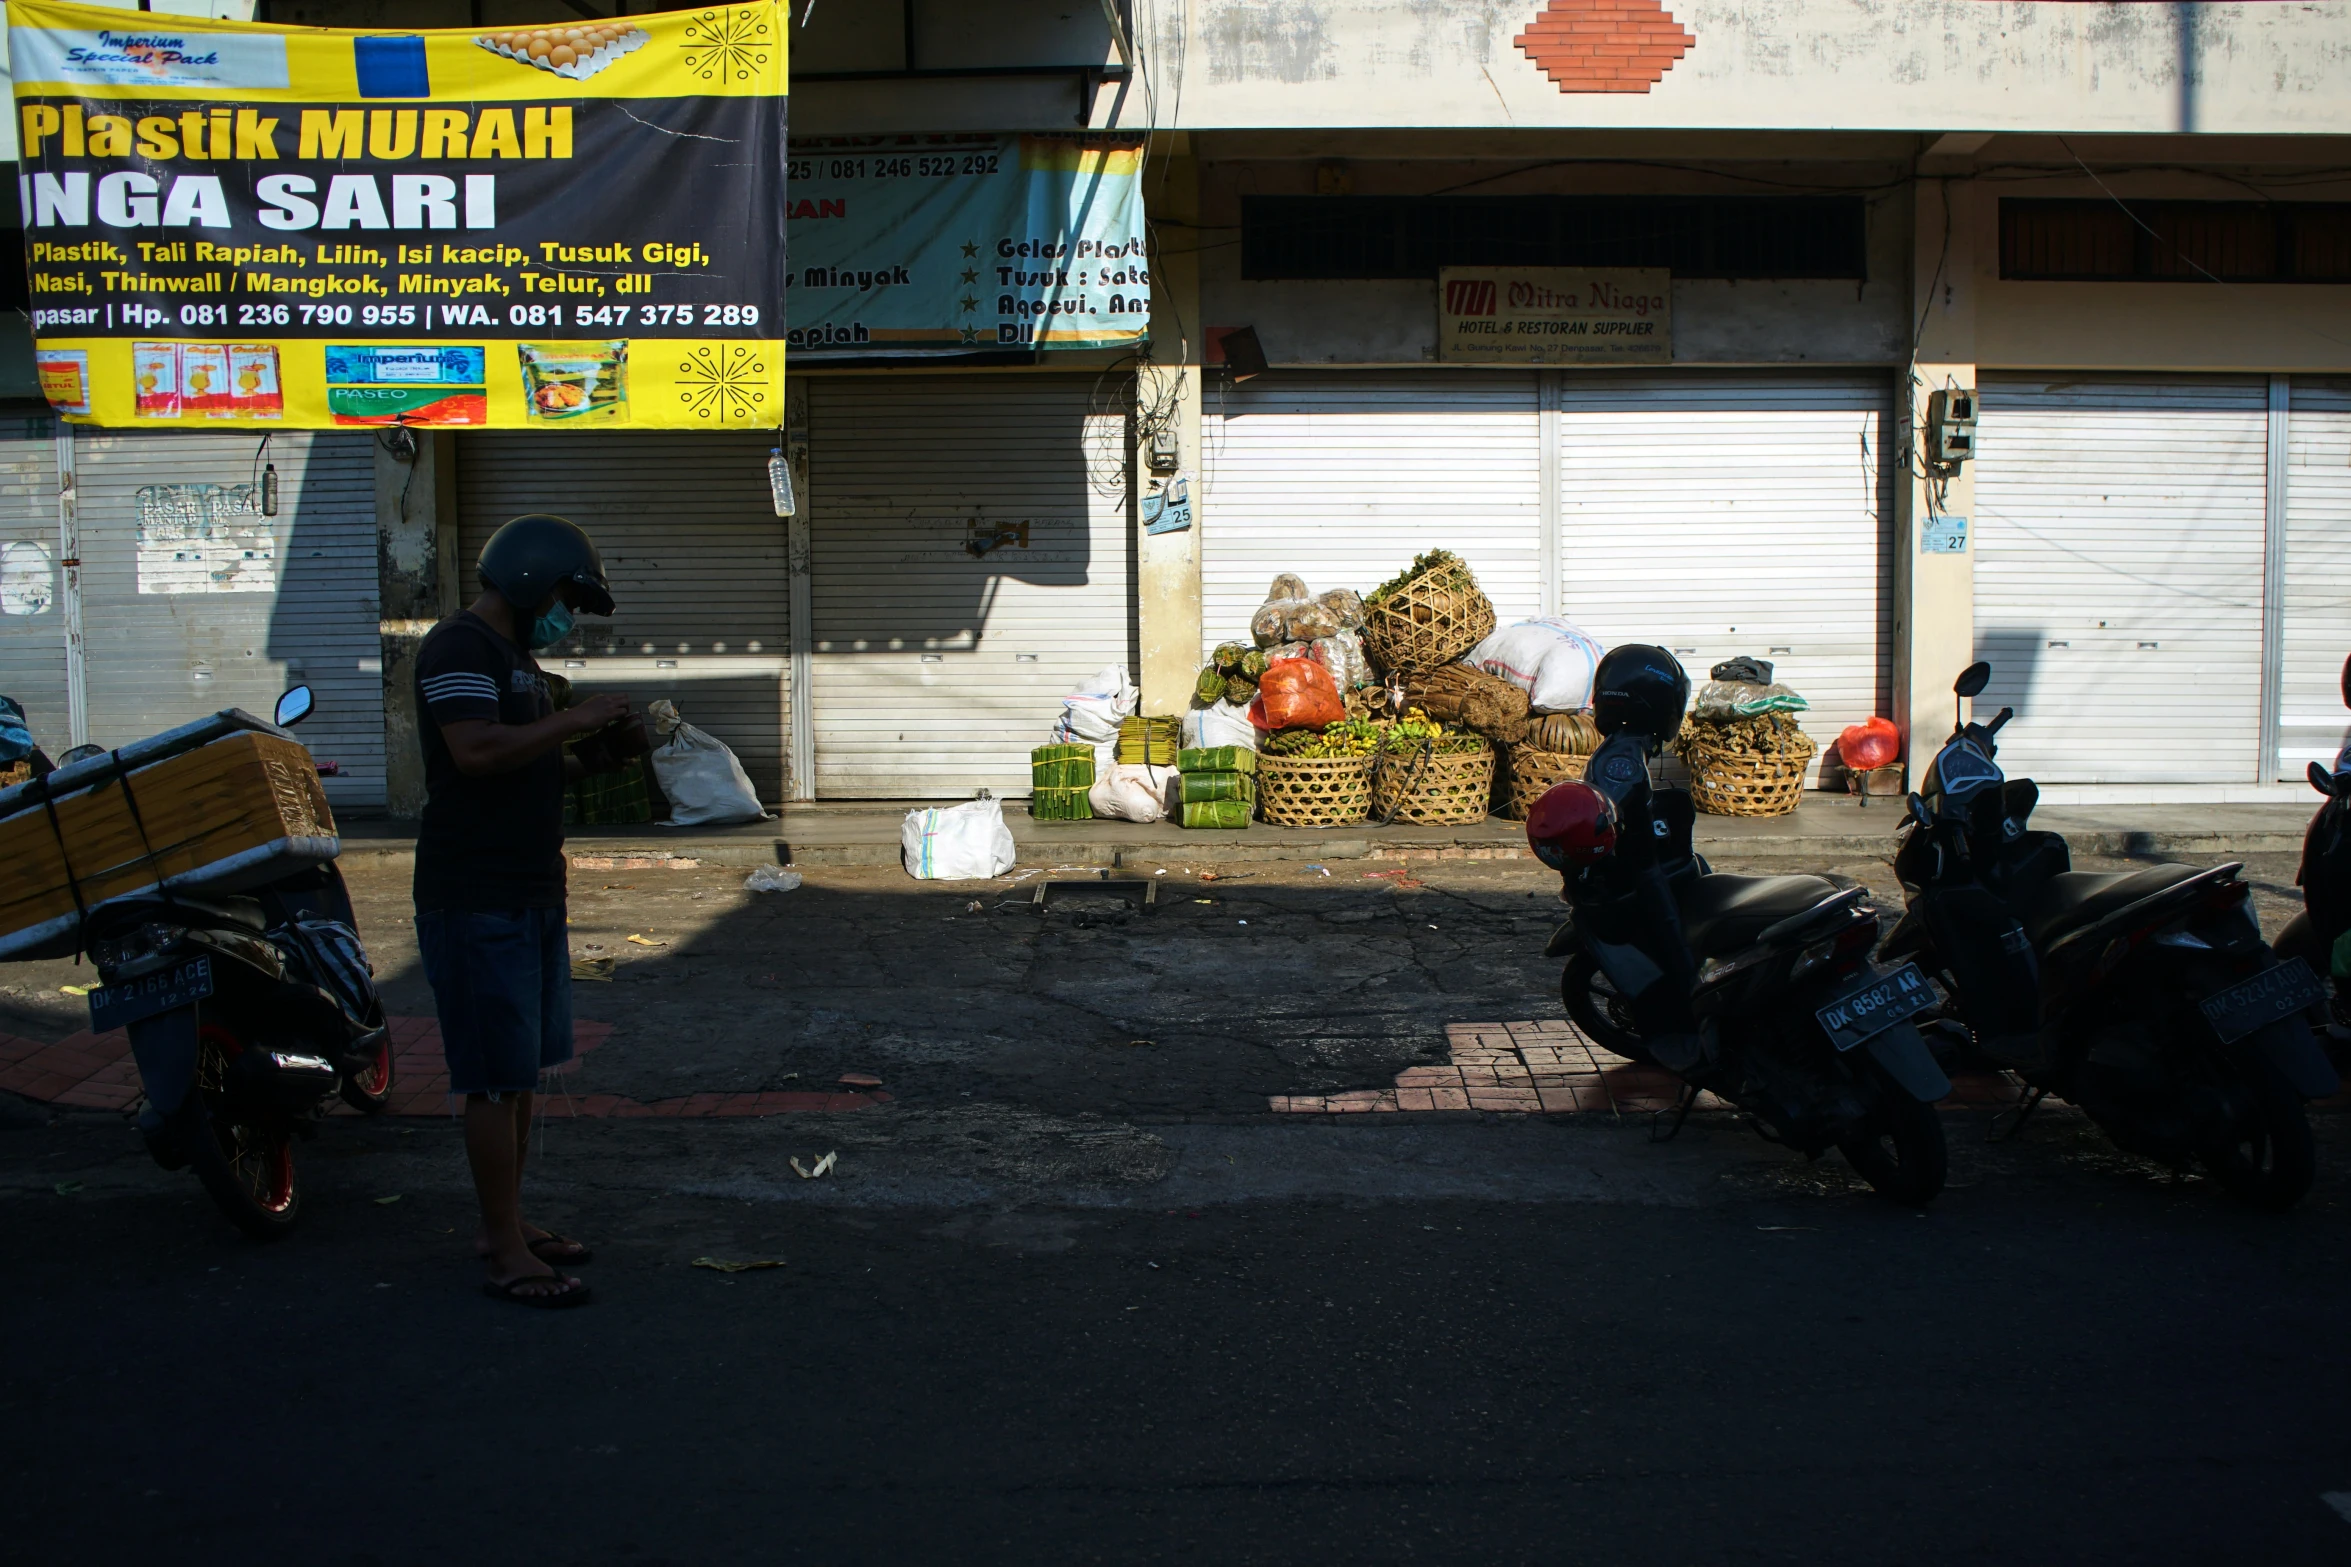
point(1706, 1352)
point(1068, 1298)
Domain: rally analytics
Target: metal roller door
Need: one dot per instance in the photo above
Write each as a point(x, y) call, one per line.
point(2119, 544)
point(193, 600)
point(2312, 724)
point(1344, 478)
point(696, 557)
point(1727, 514)
point(971, 563)
point(32, 623)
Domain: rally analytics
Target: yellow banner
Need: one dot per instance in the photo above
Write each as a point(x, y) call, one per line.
point(563, 227)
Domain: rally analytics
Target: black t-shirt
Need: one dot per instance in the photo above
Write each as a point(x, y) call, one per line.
point(495, 842)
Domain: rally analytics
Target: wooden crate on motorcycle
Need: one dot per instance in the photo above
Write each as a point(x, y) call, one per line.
point(213, 807)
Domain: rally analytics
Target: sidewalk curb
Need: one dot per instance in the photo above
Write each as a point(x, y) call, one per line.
point(688, 853)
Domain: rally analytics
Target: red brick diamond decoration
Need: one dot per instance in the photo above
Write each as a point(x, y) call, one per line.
point(1605, 45)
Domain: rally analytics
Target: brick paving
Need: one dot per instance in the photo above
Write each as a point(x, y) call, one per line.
point(87, 1071)
point(1547, 1067)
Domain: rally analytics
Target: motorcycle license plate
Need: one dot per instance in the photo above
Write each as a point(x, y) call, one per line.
point(111, 1006)
point(2260, 1001)
point(1859, 1014)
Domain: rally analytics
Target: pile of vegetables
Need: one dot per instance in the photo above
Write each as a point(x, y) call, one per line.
point(1420, 563)
point(1368, 736)
point(1765, 734)
point(1351, 737)
point(1230, 675)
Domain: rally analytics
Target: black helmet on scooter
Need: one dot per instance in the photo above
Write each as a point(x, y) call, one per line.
point(1641, 688)
point(532, 556)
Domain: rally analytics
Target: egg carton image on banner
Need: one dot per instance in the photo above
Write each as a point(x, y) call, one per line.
point(576, 52)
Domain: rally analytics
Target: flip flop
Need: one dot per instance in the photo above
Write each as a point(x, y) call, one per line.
point(574, 1293)
point(551, 1241)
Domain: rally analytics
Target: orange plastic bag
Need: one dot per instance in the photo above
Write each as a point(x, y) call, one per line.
point(1296, 693)
point(1872, 743)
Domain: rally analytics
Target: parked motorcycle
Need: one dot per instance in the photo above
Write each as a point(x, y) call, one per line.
point(2316, 935)
point(2145, 997)
point(249, 1015)
point(1794, 1024)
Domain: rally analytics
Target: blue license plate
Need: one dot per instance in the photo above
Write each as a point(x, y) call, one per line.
point(183, 984)
point(1857, 1015)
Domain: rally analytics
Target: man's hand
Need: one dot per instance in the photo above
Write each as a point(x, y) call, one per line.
point(605, 707)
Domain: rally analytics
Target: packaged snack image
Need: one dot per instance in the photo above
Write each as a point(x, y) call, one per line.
point(204, 380)
point(407, 383)
point(155, 380)
point(254, 392)
point(567, 381)
point(65, 378)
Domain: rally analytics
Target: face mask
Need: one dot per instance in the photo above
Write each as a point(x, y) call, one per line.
point(551, 627)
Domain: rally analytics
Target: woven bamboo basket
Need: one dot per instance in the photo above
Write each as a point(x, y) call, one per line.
point(1532, 773)
point(1313, 791)
point(1749, 783)
point(1437, 789)
point(1428, 623)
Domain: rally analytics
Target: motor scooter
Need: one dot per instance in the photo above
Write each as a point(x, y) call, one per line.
point(2145, 997)
point(1802, 1031)
point(249, 1015)
point(2321, 934)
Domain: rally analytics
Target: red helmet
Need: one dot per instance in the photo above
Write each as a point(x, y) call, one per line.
point(1574, 824)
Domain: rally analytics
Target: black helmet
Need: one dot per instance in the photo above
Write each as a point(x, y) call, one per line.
point(1641, 688)
point(532, 556)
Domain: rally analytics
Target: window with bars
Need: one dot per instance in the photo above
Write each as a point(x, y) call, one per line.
point(2175, 241)
point(1691, 236)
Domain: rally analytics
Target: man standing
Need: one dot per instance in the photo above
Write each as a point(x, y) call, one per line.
point(490, 871)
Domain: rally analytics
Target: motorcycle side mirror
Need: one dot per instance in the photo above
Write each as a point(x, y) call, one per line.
point(1918, 811)
point(2322, 780)
point(1972, 680)
point(294, 706)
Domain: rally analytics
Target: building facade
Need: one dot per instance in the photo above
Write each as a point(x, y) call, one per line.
point(2124, 225)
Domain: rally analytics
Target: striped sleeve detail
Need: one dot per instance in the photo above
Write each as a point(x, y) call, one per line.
point(461, 693)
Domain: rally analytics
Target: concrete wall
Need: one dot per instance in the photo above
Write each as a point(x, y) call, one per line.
point(2129, 65)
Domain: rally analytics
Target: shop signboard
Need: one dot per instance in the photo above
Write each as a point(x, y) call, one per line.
point(565, 227)
point(1555, 316)
point(915, 246)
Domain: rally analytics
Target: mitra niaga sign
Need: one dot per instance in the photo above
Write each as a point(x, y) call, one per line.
point(1555, 316)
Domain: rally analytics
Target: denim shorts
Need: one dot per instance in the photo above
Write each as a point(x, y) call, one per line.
point(502, 984)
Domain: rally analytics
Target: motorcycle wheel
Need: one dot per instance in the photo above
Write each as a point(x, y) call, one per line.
point(1903, 1158)
point(369, 1091)
point(1594, 1006)
point(2267, 1159)
point(245, 1163)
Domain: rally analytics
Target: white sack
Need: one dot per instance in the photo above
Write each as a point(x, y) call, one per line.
point(1134, 793)
point(1220, 723)
point(1090, 715)
point(967, 842)
point(1551, 659)
point(706, 786)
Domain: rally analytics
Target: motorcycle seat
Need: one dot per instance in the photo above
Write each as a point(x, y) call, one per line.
point(234, 912)
point(1722, 913)
point(2076, 900)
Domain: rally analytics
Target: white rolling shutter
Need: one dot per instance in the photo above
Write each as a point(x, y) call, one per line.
point(2118, 574)
point(172, 632)
point(1727, 514)
point(695, 554)
point(971, 563)
point(2312, 723)
point(1344, 478)
point(32, 622)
